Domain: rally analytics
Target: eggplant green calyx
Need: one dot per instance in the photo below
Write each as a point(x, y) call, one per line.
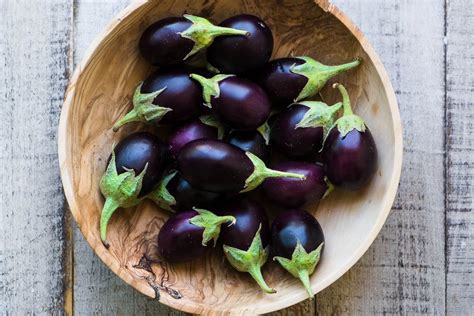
point(349, 120)
point(210, 86)
point(161, 196)
point(119, 190)
point(211, 224)
point(319, 115)
point(264, 130)
point(251, 260)
point(262, 172)
point(330, 187)
point(212, 120)
point(202, 33)
point(317, 74)
point(302, 264)
point(143, 108)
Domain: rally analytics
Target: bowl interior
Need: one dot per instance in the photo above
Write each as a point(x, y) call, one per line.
point(100, 93)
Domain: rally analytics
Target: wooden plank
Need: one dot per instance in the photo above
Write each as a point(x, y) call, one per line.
point(97, 290)
point(460, 157)
point(35, 44)
point(404, 270)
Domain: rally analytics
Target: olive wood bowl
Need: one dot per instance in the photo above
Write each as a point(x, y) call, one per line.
point(99, 93)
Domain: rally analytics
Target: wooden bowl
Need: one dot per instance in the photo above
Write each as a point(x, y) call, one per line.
point(100, 92)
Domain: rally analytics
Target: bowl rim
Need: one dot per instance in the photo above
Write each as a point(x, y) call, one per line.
point(299, 296)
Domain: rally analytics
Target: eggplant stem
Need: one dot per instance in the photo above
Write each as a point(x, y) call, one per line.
point(131, 116)
point(256, 274)
point(346, 101)
point(304, 277)
point(270, 173)
point(201, 79)
point(220, 30)
point(335, 70)
point(110, 206)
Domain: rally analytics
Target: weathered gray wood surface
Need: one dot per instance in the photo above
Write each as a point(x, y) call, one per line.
point(34, 52)
point(423, 260)
point(460, 157)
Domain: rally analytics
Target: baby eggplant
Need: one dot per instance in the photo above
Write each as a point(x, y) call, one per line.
point(288, 80)
point(251, 141)
point(290, 193)
point(173, 40)
point(134, 169)
point(204, 127)
point(246, 243)
point(176, 194)
point(216, 166)
point(349, 153)
point(239, 54)
point(299, 130)
point(167, 97)
point(297, 242)
point(240, 103)
point(185, 235)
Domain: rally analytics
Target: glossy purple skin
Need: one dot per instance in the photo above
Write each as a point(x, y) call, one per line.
point(161, 45)
point(293, 225)
point(241, 104)
point(213, 165)
point(179, 240)
point(295, 142)
point(187, 196)
point(292, 193)
point(138, 149)
point(188, 132)
point(281, 85)
point(251, 141)
point(239, 54)
point(249, 215)
point(350, 161)
point(182, 94)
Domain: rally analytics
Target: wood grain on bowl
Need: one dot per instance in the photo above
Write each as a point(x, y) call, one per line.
point(99, 93)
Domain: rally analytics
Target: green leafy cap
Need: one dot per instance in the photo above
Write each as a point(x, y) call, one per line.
point(250, 260)
point(119, 190)
point(302, 264)
point(317, 74)
point(211, 224)
point(143, 108)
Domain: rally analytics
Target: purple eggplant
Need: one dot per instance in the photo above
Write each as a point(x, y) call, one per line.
point(204, 127)
point(240, 103)
point(173, 40)
point(297, 244)
point(240, 54)
point(299, 130)
point(252, 141)
point(176, 194)
point(288, 80)
point(185, 235)
point(213, 165)
point(134, 169)
point(349, 153)
point(290, 193)
point(167, 97)
point(246, 244)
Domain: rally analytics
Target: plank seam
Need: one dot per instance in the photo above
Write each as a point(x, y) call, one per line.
point(446, 155)
point(68, 260)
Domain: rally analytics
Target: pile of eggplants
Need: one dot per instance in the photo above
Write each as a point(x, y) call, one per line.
point(238, 123)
